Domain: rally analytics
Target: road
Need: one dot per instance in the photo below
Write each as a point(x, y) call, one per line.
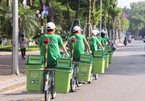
point(124, 80)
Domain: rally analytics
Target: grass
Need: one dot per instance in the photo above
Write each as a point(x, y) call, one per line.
point(9, 48)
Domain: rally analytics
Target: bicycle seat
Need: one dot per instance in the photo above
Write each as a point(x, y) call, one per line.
point(50, 68)
point(75, 62)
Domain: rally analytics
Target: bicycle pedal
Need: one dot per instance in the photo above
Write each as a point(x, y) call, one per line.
point(42, 92)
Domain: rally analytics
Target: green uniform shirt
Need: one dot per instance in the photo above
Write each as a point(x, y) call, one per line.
point(100, 39)
point(105, 39)
point(78, 45)
point(53, 47)
point(94, 43)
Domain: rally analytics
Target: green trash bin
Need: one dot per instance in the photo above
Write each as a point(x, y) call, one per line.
point(109, 49)
point(63, 75)
point(98, 65)
point(106, 61)
point(34, 70)
point(110, 57)
point(85, 67)
point(62, 79)
point(84, 73)
point(99, 62)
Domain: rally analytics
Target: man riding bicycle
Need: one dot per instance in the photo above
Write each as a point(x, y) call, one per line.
point(53, 45)
point(79, 45)
point(94, 42)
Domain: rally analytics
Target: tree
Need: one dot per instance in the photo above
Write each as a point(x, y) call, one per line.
point(137, 14)
point(27, 21)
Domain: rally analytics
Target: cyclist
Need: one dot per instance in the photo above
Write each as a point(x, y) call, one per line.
point(94, 42)
point(99, 38)
point(105, 38)
point(53, 45)
point(79, 45)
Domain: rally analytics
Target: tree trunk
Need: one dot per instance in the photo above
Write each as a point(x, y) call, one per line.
point(67, 4)
point(78, 9)
point(93, 2)
point(88, 19)
point(0, 2)
point(8, 3)
point(29, 3)
point(50, 11)
point(114, 30)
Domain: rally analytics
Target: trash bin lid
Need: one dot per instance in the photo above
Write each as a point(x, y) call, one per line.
point(99, 53)
point(64, 62)
point(35, 60)
point(86, 58)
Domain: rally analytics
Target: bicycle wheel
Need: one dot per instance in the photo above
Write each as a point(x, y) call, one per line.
point(72, 85)
point(47, 96)
point(53, 93)
point(78, 83)
point(95, 76)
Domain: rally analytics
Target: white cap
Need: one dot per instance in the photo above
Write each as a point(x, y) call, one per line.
point(97, 31)
point(94, 32)
point(102, 31)
point(50, 25)
point(77, 28)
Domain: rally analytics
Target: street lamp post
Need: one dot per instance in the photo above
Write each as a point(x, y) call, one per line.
point(15, 64)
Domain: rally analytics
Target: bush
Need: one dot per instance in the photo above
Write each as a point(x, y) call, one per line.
point(9, 48)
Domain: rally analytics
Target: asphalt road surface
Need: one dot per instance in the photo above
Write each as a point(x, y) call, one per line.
point(124, 80)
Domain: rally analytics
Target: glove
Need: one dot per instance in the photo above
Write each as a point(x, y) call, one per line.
point(103, 48)
point(90, 52)
point(67, 55)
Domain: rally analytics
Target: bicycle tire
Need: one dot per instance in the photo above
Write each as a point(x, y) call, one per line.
point(47, 96)
point(72, 85)
point(78, 83)
point(95, 76)
point(53, 93)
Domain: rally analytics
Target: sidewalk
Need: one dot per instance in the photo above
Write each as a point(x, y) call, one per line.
point(7, 80)
point(11, 82)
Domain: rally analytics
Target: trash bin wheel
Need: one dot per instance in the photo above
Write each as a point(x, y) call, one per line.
point(78, 83)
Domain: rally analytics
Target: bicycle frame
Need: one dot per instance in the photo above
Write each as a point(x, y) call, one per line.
point(75, 70)
point(48, 84)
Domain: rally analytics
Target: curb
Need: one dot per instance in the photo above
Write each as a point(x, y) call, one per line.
point(13, 87)
point(11, 82)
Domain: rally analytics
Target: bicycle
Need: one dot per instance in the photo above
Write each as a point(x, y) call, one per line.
point(48, 84)
point(48, 81)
